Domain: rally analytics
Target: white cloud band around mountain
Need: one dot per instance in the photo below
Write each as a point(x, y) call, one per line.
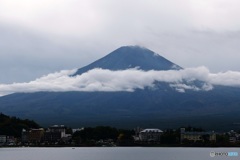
point(124, 80)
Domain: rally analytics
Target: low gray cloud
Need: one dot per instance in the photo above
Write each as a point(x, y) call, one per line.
point(124, 80)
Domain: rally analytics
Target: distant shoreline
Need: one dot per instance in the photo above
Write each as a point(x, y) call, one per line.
point(133, 146)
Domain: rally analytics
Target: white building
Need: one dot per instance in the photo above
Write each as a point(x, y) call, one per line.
point(149, 135)
point(3, 139)
point(77, 130)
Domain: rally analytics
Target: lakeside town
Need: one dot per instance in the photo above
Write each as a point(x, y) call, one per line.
point(16, 132)
point(60, 135)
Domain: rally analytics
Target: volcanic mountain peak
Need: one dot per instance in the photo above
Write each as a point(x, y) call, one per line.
point(160, 106)
point(130, 57)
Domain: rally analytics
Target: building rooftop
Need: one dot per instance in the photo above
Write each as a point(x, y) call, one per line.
point(151, 130)
point(198, 133)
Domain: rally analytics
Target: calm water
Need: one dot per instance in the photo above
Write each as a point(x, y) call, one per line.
point(114, 153)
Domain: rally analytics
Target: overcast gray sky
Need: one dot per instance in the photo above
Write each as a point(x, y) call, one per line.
point(43, 36)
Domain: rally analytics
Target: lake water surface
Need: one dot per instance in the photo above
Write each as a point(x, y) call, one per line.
point(115, 153)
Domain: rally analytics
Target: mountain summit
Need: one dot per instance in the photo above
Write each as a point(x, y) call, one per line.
point(131, 57)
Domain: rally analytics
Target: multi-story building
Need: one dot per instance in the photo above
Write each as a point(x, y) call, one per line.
point(52, 137)
point(234, 137)
point(58, 129)
point(3, 139)
point(33, 135)
point(56, 133)
point(36, 135)
point(197, 136)
point(150, 135)
point(25, 136)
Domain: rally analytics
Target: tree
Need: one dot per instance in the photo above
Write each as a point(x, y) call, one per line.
point(13, 126)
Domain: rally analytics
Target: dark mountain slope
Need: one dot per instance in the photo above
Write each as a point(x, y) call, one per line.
point(128, 109)
point(131, 57)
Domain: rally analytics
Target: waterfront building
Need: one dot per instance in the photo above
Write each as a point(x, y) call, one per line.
point(234, 137)
point(197, 136)
point(58, 129)
point(3, 139)
point(36, 135)
point(150, 135)
point(57, 134)
point(33, 135)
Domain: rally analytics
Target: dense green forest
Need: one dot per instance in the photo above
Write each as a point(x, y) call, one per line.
point(12, 126)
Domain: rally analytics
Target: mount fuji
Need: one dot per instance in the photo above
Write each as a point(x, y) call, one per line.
point(131, 57)
point(161, 106)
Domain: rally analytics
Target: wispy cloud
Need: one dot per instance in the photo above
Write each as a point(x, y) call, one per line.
point(125, 80)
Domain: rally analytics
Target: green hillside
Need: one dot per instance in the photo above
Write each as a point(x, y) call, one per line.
point(12, 126)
